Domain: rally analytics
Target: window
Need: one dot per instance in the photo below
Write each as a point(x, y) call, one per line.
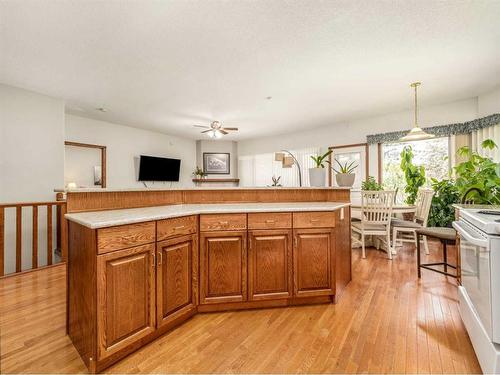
point(432, 154)
point(258, 170)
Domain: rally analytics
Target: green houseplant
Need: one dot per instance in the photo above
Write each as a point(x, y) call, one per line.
point(198, 172)
point(317, 175)
point(478, 177)
point(414, 175)
point(370, 184)
point(345, 175)
point(276, 181)
point(442, 212)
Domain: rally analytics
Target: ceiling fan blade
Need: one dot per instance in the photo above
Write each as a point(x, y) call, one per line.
point(206, 131)
point(223, 131)
point(202, 126)
point(230, 128)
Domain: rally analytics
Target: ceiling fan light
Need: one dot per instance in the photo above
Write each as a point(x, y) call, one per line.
point(416, 134)
point(217, 134)
point(211, 133)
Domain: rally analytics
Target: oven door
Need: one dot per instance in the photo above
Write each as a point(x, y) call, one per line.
point(475, 271)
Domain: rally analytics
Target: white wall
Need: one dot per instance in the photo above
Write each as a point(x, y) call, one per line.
point(31, 138)
point(355, 131)
point(230, 147)
point(31, 163)
point(489, 103)
point(124, 144)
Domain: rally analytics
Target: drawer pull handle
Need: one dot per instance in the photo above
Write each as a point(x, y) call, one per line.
point(270, 222)
point(223, 222)
point(314, 220)
point(179, 227)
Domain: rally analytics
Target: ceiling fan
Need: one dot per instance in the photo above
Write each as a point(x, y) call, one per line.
point(215, 130)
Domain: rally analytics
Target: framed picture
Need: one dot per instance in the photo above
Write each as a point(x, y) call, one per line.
point(216, 163)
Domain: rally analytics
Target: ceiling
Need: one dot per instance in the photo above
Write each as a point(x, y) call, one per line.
point(166, 65)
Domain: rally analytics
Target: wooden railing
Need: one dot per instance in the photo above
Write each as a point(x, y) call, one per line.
point(61, 240)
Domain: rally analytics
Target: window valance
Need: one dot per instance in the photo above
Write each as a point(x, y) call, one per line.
point(440, 130)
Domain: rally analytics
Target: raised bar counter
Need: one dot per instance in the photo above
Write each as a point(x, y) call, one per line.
point(141, 262)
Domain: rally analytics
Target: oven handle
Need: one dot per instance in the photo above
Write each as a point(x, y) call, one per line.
point(467, 236)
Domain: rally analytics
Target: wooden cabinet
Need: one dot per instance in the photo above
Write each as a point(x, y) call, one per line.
point(177, 226)
point(269, 264)
point(313, 262)
point(223, 267)
point(125, 236)
point(176, 277)
point(125, 298)
point(223, 222)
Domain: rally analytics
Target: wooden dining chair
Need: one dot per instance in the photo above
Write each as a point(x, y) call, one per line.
point(376, 212)
point(408, 228)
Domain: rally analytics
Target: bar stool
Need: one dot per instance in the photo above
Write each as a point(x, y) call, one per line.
point(447, 236)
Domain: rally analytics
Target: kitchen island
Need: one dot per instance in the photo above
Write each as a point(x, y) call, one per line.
point(135, 273)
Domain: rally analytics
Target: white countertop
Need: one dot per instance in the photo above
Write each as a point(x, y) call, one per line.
point(111, 190)
point(102, 219)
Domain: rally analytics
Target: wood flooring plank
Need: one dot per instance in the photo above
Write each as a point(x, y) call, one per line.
point(387, 321)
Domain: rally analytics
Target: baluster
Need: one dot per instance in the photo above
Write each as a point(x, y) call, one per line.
point(34, 255)
point(63, 234)
point(19, 229)
point(49, 234)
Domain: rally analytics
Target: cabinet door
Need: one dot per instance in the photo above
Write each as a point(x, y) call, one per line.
point(313, 261)
point(223, 267)
point(125, 297)
point(269, 264)
point(176, 277)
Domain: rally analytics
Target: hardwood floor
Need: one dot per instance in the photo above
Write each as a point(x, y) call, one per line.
point(386, 321)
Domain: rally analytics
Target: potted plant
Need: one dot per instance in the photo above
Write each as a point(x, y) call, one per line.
point(370, 184)
point(317, 175)
point(198, 173)
point(414, 175)
point(345, 174)
point(442, 212)
point(276, 181)
point(478, 178)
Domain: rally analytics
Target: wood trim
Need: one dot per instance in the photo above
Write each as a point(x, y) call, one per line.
point(34, 254)
point(19, 236)
point(201, 180)
point(79, 144)
point(31, 204)
point(103, 157)
point(367, 158)
point(2, 235)
point(49, 234)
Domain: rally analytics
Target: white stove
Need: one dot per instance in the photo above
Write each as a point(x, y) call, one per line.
point(486, 220)
point(479, 294)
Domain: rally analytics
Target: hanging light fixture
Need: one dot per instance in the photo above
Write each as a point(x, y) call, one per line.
point(416, 133)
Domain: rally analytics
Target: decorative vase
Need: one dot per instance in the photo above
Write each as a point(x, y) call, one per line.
point(345, 179)
point(317, 177)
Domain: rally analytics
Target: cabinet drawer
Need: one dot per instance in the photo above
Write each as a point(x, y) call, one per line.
point(269, 220)
point(124, 236)
point(176, 227)
point(323, 219)
point(223, 222)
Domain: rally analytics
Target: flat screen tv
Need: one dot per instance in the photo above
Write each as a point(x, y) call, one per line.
point(152, 168)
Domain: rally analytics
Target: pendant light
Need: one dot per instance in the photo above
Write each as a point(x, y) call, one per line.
point(416, 133)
